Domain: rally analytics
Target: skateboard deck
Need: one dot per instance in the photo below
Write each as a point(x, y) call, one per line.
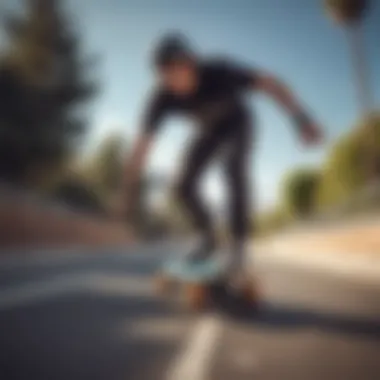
point(200, 272)
point(200, 283)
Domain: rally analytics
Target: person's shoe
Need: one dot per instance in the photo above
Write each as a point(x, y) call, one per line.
point(237, 282)
point(201, 253)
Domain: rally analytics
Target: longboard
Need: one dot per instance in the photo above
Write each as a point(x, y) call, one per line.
point(198, 282)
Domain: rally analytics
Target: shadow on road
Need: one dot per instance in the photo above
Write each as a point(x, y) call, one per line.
point(280, 317)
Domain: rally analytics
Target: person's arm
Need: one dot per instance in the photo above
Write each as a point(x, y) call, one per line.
point(132, 173)
point(249, 79)
point(136, 161)
point(278, 91)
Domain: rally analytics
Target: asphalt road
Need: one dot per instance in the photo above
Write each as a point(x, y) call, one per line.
point(94, 315)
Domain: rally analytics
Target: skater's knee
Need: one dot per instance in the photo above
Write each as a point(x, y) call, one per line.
point(235, 175)
point(185, 190)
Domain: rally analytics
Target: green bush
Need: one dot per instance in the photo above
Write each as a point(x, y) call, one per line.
point(270, 222)
point(299, 191)
point(352, 163)
point(76, 193)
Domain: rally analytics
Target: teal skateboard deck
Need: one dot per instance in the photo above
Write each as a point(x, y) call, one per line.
point(201, 283)
point(206, 271)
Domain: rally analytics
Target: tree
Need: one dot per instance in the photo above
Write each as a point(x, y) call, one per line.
point(350, 14)
point(105, 168)
point(43, 84)
point(345, 172)
point(299, 191)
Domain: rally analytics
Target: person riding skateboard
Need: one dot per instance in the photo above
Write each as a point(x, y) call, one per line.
point(212, 92)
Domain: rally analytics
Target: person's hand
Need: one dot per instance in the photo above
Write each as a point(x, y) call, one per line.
point(311, 134)
point(120, 206)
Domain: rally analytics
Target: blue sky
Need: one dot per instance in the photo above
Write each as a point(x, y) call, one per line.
point(296, 41)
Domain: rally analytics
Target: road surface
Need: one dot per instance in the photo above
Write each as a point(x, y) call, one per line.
point(94, 315)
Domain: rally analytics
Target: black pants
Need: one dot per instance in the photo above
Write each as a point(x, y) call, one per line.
point(233, 142)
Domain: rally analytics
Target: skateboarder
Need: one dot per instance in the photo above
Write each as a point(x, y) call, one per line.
point(211, 92)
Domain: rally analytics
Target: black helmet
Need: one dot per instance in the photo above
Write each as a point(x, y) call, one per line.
point(170, 48)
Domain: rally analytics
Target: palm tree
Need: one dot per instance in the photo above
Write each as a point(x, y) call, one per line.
point(349, 14)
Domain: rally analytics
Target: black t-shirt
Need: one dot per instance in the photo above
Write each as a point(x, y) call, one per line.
point(218, 98)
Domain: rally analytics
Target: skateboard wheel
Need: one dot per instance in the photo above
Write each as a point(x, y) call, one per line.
point(196, 297)
point(163, 284)
point(251, 294)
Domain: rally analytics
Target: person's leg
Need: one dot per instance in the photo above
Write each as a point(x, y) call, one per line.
point(237, 169)
point(199, 156)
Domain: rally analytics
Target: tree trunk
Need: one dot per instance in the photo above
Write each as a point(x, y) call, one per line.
point(361, 72)
point(365, 99)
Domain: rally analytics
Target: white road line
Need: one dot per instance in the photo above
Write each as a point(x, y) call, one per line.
point(93, 282)
point(51, 256)
point(33, 292)
point(195, 361)
point(43, 256)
